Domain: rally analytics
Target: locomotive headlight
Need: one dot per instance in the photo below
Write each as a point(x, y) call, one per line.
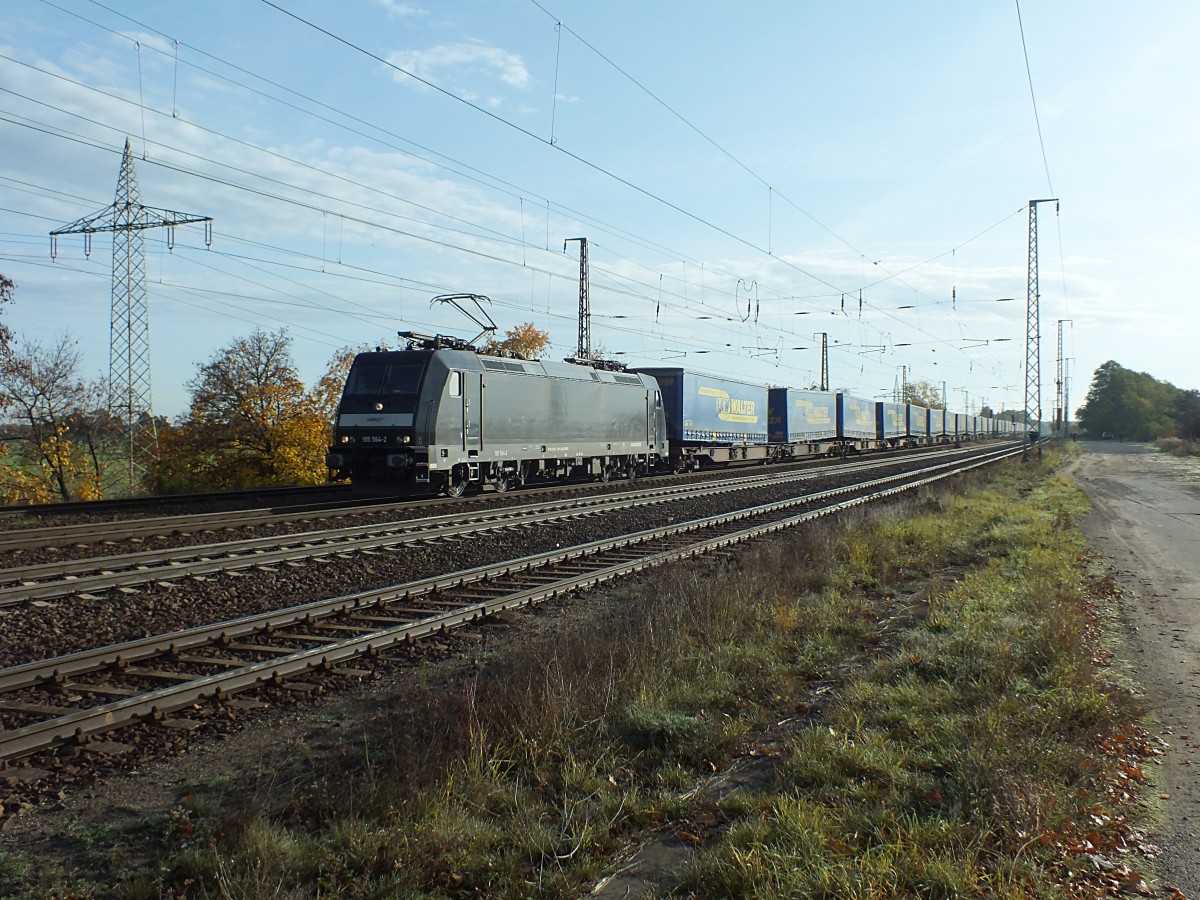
point(345, 438)
point(378, 407)
point(406, 439)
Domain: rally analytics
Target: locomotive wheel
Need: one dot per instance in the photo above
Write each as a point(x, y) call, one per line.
point(505, 481)
point(605, 474)
point(457, 482)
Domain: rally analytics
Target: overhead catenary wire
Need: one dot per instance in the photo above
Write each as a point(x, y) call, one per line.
point(95, 2)
point(521, 243)
point(316, 208)
point(1033, 99)
point(317, 258)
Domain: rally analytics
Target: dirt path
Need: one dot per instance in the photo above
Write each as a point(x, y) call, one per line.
point(1146, 519)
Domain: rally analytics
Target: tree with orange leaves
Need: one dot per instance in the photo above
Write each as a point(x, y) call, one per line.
point(44, 400)
point(526, 341)
point(251, 422)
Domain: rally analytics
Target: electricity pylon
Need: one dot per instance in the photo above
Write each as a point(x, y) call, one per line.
point(129, 322)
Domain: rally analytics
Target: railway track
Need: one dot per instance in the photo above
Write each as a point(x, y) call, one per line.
point(129, 505)
point(79, 533)
point(93, 576)
point(283, 511)
point(79, 697)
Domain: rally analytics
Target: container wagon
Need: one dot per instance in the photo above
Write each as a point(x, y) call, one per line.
point(801, 423)
point(711, 419)
point(937, 427)
point(891, 423)
point(918, 425)
point(855, 423)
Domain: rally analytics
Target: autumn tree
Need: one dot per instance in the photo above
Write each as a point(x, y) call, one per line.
point(327, 392)
point(924, 393)
point(7, 289)
point(526, 341)
point(251, 422)
point(45, 400)
point(599, 351)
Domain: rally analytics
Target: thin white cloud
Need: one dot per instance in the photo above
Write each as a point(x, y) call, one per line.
point(452, 65)
point(400, 10)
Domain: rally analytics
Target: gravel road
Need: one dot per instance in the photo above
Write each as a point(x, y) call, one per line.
point(1146, 520)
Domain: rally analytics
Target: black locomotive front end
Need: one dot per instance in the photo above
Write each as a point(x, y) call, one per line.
point(375, 438)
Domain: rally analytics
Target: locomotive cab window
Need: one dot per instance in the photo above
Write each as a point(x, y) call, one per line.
point(375, 378)
point(456, 384)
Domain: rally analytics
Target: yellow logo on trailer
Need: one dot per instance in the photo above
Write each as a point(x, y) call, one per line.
point(731, 409)
point(813, 414)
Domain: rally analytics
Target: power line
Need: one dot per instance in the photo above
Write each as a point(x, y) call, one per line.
point(868, 304)
point(525, 244)
point(596, 167)
point(1033, 98)
point(695, 128)
point(491, 178)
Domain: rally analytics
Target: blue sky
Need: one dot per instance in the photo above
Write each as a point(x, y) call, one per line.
point(741, 171)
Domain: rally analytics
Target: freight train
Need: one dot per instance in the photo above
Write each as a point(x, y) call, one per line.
point(442, 416)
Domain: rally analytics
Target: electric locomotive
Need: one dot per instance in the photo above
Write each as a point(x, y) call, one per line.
point(441, 416)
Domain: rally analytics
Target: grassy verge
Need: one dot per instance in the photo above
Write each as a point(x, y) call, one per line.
point(918, 703)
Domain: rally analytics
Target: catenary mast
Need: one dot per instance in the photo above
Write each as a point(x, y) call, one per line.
point(584, 348)
point(1033, 336)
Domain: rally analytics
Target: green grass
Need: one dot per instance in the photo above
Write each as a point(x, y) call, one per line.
point(975, 731)
point(935, 667)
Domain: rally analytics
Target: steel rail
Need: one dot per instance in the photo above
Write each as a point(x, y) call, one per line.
point(134, 504)
point(97, 574)
point(189, 523)
point(82, 725)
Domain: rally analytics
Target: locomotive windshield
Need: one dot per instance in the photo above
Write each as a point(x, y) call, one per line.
point(385, 379)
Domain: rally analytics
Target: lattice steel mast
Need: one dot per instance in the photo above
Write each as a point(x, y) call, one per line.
point(584, 349)
point(1062, 417)
point(129, 398)
point(824, 360)
point(1033, 336)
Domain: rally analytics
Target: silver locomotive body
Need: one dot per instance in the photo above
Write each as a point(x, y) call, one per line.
point(449, 419)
